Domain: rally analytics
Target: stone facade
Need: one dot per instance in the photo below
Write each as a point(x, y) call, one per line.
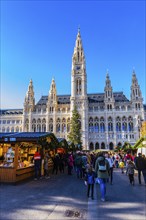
point(107, 119)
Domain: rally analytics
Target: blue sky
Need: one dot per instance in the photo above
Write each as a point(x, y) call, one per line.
point(38, 38)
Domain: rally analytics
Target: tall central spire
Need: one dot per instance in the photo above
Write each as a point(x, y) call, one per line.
point(78, 55)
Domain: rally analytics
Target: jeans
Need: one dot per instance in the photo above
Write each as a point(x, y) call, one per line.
point(90, 186)
point(102, 187)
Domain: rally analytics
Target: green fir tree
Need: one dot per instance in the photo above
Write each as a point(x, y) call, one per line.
point(75, 129)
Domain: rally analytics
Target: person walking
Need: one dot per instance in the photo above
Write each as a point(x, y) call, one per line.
point(37, 165)
point(111, 163)
point(130, 171)
point(102, 168)
point(46, 166)
point(90, 180)
point(140, 163)
point(70, 163)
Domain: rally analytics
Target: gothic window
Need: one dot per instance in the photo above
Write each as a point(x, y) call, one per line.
point(123, 108)
point(78, 86)
point(43, 127)
point(68, 120)
point(102, 127)
point(51, 120)
point(58, 120)
point(33, 121)
point(39, 120)
point(63, 127)
point(124, 126)
point(96, 127)
point(38, 128)
point(17, 129)
point(102, 145)
point(110, 124)
point(3, 130)
point(58, 128)
point(96, 146)
point(111, 146)
point(91, 146)
point(12, 129)
point(51, 127)
point(44, 120)
point(8, 129)
point(33, 127)
point(118, 126)
point(63, 120)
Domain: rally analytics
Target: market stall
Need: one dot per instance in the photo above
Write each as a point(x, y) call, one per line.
point(17, 151)
point(63, 146)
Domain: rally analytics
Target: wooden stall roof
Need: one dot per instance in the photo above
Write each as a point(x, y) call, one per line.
point(27, 137)
point(63, 142)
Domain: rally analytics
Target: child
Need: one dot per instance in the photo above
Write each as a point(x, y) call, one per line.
point(121, 165)
point(130, 171)
point(90, 180)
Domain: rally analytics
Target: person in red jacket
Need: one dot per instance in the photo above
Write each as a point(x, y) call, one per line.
point(37, 165)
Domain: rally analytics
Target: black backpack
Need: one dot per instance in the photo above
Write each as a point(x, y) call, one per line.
point(102, 166)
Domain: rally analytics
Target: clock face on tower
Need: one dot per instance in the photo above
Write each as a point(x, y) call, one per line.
point(77, 67)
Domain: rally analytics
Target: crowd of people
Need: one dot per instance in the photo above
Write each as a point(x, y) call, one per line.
point(92, 167)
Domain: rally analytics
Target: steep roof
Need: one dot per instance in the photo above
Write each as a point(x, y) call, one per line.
point(11, 111)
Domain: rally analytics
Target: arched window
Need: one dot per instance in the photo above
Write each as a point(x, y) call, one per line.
point(12, 129)
point(43, 127)
point(38, 128)
point(91, 146)
point(110, 124)
point(96, 146)
point(102, 145)
point(102, 125)
point(111, 146)
point(91, 128)
point(8, 129)
point(78, 86)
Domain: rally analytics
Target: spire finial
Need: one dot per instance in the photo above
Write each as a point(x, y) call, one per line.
point(78, 28)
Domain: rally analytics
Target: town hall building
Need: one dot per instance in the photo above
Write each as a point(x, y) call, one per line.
point(107, 119)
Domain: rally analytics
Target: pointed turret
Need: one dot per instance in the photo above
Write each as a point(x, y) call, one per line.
point(29, 102)
point(52, 96)
point(78, 55)
point(136, 96)
point(108, 95)
point(79, 78)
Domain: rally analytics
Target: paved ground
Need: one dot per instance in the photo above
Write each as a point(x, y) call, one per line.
point(64, 197)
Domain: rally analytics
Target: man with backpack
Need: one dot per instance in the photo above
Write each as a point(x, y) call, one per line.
point(102, 168)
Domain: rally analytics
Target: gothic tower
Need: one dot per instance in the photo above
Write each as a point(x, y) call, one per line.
point(52, 107)
point(137, 104)
point(136, 96)
point(79, 87)
point(108, 95)
point(29, 104)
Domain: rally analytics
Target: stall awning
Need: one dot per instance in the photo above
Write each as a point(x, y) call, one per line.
point(35, 137)
point(63, 143)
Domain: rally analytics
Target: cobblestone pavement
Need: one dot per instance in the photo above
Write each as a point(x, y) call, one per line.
point(64, 197)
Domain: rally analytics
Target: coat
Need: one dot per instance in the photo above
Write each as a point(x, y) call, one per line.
point(98, 173)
